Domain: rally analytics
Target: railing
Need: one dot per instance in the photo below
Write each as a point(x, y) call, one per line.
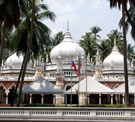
point(24, 113)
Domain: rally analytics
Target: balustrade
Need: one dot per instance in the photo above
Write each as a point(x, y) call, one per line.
point(66, 113)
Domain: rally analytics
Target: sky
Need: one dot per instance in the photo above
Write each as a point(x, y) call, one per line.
point(82, 15)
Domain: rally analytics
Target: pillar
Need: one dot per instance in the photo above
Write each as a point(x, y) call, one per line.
point(54, 99)
point(98, 72)
point(82, 99)
point(98, 66)
point(134, 99)
point(60, 85)
point(30, 98)
point(38, 72)
point(22, 98)
point(111, 98)
point(59, 99)
point(42, 98)
point(123, 99)
point(100, 99)
point(6, 98)
point(88, 97)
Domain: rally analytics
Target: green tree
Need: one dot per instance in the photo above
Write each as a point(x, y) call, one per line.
point(95, 30)
point(54, 41)
point(6, 49)
point(123, 4)
point(88, 43)
point(130, 52)
point(130, 20)
point(9, 17)
point(107, 44)
point(57, 39)
point(115, 35)
point(32, 35)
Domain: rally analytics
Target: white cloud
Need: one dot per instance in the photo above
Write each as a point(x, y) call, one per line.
point(64, 6)
point(82, 15)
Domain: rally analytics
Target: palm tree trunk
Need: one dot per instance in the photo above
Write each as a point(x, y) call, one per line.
point(2, 46)
point(14, 95)
point(125, 56)
point(27, 54)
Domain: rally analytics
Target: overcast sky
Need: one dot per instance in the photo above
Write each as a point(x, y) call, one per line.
point(82, 15)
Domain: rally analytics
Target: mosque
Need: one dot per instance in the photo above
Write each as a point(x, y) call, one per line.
point(63, 83)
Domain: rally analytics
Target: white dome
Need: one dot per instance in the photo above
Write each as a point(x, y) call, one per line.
point(15, 62)
point(67, 49)
point(115, 60)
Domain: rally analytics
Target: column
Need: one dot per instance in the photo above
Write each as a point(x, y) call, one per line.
point(100, 99)
point(30, 98)
point(123, 99)
point(134, 99)
point(54, 99)
point(88, 97)
point(82, 99)
point(22, 98)
point(111, 98)
point(42, 98)
point(6, 98)
point(60, 85)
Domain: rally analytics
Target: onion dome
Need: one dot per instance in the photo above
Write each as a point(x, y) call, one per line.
point(15, 62)
point(68, 50)
point(115, 61)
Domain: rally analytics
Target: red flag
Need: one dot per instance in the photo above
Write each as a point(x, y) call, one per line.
point(73, 64)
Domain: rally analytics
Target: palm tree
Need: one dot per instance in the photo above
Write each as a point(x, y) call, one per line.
point(123, 3)
point(115, 35)
point(105, 48)
point(95, 30)
point(6, 49)
point(130, 52)
point(57, 39)
point(9, 17)
point(130, 20)
point(35, 33)
point(54, 41)
point(88, 43)
point(107, 44)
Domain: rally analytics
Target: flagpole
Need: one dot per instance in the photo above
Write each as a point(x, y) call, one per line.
point(71, 85)
point(78, 79)
point(86, 85)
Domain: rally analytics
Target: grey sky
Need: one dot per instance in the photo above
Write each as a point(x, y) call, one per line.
point(82, 15)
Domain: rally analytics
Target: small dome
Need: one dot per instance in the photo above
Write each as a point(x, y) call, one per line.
point(15, 62)
point(68, 50)
point(115, 60)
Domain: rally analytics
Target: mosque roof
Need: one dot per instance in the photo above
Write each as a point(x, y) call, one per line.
point(121, 88)
point(93, 86)
point(41, 86)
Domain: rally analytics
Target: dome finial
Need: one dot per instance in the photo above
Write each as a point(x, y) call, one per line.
point(115, 45)
point(67, 24)
point(115, 42)
point(67, 34)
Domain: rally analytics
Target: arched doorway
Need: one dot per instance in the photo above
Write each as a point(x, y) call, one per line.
point(74, 97)
point(48, 98)
point(2, 95)
point(36, 98)
point(10, 95)
point(94, 99)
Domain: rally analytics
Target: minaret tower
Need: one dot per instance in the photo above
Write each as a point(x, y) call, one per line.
point(98, 66)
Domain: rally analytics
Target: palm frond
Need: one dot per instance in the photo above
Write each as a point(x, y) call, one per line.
point(47, 15)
